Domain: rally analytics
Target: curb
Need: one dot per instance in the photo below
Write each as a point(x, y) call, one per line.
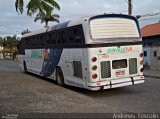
point(157, 77)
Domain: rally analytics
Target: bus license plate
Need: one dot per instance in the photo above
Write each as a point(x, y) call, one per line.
point(120, 73)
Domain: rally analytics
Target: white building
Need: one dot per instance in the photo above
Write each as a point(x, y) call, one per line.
point(151, 45)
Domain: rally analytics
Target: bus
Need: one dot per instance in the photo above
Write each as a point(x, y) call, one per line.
point(95, 52)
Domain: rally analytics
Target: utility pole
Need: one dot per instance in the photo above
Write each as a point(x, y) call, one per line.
point(129, 7)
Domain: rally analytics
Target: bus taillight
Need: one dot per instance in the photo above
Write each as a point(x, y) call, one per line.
point(142, 62)
point(94, 76)
point(94, 68)
point(94, 59)
point(141, 55)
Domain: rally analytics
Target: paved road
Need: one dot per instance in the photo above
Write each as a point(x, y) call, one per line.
point(21, 93)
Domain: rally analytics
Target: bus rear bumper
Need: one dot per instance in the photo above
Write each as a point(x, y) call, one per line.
point(103, 85)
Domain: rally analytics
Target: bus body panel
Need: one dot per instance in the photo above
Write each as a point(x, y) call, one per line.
point(69, 56)
point(119, 76)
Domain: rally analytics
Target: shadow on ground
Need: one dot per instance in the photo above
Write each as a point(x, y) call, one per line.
point(101, 93)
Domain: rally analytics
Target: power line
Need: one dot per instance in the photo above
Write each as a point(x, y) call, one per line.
point(153, 14)
point(150, 19)
point(148, 15)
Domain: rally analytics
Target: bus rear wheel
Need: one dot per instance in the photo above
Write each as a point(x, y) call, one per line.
point(59, 77)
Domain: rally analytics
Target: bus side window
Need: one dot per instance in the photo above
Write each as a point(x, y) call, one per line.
point(63, 36)
point(27, 43)
point(48, 39)
point(59, 41)
point(21, 48)
point(53, 38)
point(70, 36)
point(38, 42)
point(77, 35)
point(24, 43)
point(42, 40)
point(33, 41)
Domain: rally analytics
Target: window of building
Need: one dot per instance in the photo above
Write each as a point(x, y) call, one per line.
point(155, 53)
point(145, 53)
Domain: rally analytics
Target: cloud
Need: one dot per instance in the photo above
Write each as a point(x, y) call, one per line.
point(12, 23)
point(79, 8)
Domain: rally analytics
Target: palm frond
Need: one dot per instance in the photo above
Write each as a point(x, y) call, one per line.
point(33, 6)
point(56, 20)
point(56, 16)
point(48, 9)
point(19, 5)
point(53, 3)
point(40, 16)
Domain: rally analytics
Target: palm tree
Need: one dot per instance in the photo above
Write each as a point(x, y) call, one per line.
point(45, 6)
point(47, 18)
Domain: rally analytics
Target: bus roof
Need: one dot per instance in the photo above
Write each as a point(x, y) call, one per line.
point(74, 22)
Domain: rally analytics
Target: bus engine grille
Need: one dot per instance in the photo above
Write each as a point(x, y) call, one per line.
point(105, 69)
point(133, 66)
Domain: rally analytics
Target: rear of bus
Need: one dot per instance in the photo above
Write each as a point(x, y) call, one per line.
point(115, 53)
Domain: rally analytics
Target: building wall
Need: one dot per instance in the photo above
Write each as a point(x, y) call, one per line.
point(151, 41)
point(152, 46)
point(147, 55)
point(155, 58)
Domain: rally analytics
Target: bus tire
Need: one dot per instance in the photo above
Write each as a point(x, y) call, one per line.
point(59, 77)
point(25, 67)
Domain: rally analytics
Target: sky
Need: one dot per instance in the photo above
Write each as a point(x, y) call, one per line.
point(12, 23)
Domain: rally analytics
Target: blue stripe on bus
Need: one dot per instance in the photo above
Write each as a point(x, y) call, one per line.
point(49, 65)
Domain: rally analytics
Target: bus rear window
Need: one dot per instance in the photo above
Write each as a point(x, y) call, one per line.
point(106, 28)
point(119, 64)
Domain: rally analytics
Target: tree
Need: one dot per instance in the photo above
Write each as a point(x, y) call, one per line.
point(47, 18)
point(19, 5)
point(1, 41)
point(34, 6)
point(10, 46)
point(10, 42)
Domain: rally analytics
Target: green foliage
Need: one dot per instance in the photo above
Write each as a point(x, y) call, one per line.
point(36, 6)
point(9, 42)
point(47, 18)
point(19, 5)
point(1, 41)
